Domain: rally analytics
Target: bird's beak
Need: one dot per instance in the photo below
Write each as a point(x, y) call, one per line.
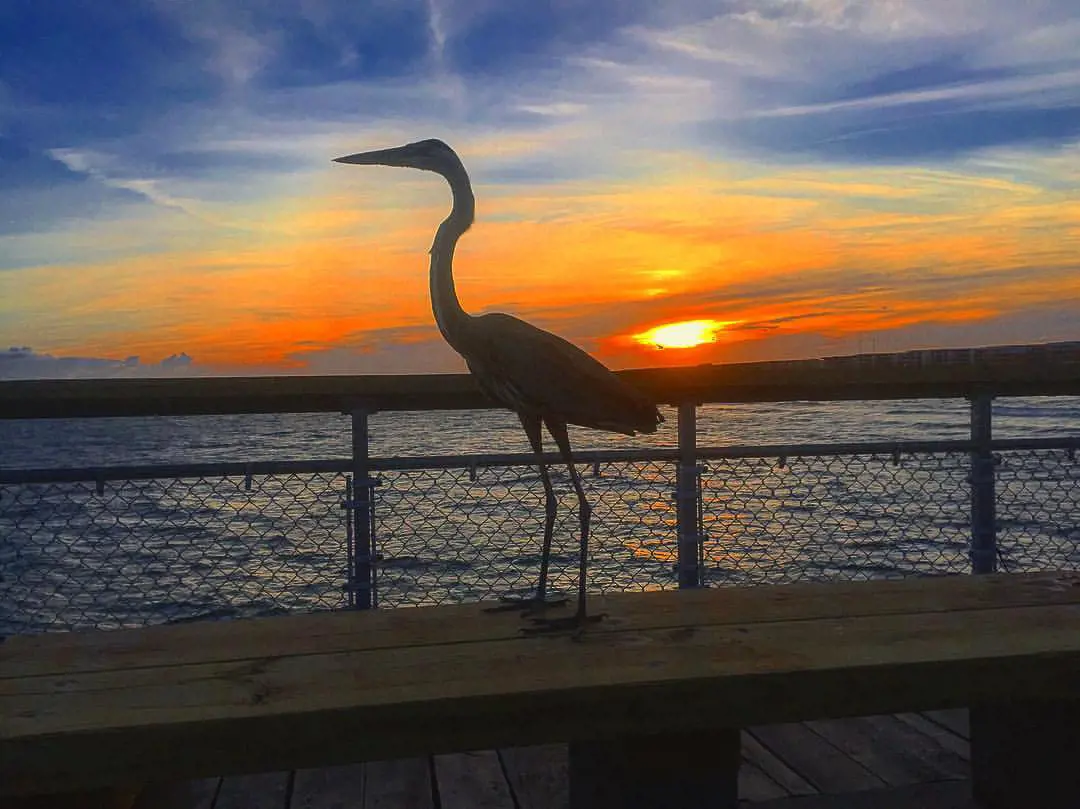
point(398, 156)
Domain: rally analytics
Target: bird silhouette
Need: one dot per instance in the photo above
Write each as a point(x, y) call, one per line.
point(543, 378)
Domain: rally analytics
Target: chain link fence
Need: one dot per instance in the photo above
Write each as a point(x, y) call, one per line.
point(487, 544)
point(863, 516)
point(135, 546)
point(109, 553)
point(1038, 509)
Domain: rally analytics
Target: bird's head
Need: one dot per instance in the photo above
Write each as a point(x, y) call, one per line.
point(427, 155)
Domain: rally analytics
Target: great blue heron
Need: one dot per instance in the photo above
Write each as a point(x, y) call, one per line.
point(541, 377)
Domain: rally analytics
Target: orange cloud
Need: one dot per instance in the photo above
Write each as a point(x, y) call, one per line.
point(829, 253)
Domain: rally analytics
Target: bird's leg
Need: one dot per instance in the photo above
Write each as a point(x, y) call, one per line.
point(580, 618)
point(532, 429)
point(532, 426)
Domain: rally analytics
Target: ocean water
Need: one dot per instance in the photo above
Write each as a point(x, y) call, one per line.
point(77, 443)
point(147, 551)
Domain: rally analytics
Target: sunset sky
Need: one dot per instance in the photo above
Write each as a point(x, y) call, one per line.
point(807, 177)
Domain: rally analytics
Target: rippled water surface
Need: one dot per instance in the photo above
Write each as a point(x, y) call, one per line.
point(145, 551)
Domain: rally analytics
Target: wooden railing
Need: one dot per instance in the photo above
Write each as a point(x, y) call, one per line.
point(842, 378)
point(969, 375)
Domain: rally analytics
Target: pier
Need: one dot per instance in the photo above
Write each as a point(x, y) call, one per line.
point(652, 701)
point(913, 681)
point(879, 762)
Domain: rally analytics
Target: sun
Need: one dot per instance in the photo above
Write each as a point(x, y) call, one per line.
point(686, 334)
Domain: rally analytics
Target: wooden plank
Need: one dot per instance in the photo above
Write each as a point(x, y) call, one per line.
point(956, 720)
point(940, 761)
point(271, 686)
point(340, 787)
point(271, 696)
point(815, 759)
point(71, 653)
point(773, 765)
point(226, 641)
point(472, 780)
point(943, 736)
point(268, 790)
point(198, 794)
point(77, 398)
point(755, 785)
point(538, 775)
point(398, 784)
point(314, 709)
point(941, 795)
point(1038, 371)
point(892, 750)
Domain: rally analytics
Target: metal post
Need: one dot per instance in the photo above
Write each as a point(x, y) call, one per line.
point(983, 517)
point(362, 578)
point(687, 497)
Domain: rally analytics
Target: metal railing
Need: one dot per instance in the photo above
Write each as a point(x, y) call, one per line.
point(123, 546)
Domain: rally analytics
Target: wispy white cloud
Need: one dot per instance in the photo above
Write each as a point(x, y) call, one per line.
point(654, 84)
point(235, 48)
point(236, 56)
point(450, 83)
point(1053, 89)
point(1051, 46)
point(99, 167)
point(555, 110)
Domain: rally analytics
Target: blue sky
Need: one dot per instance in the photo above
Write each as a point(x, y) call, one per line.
point(198, 134)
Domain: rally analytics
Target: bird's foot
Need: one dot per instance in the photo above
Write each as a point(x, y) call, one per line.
point(526, 604)
point(577, 622)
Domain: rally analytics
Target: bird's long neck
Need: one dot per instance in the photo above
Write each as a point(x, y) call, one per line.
point(450, 317)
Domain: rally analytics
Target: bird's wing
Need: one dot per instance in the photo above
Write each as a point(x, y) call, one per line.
point(534, 371)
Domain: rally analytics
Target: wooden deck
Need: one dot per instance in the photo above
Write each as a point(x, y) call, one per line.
point(87, 710)
point(874, 762)
point(298, 699)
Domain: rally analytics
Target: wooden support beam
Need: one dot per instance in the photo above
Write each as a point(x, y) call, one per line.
point(697, 770)
point(1026, 753)
point(102, 798)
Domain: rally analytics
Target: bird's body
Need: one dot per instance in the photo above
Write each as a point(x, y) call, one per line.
point(539, 375)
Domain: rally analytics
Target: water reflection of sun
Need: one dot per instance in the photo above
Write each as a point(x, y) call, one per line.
point(686, 334)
